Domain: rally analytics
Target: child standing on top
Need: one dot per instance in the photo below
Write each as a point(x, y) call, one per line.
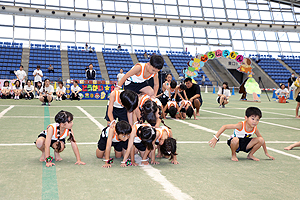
point(241, 139)
point(136, 78)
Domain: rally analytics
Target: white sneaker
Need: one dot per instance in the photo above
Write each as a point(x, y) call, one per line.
point(15, 98)
point(60, 98)
point(57, 98)
point(37, 97)
point(18, 97)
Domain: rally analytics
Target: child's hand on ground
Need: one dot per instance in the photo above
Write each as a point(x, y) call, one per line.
point(196, 118)
point(145, 163)
point(175, 162)
point(106, 165)
point(49, 164)
point(154, 162)
point(213, 142)
point(79, 163)
point(270, 156)
point(123, 165)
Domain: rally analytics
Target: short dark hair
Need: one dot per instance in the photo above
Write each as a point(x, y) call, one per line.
point(21, 66)
point(168, 148)
point(188, 79)
point(76, 82)
point(253, 111)
point(91, 64)
point(157, 61)
point(226, 83)
point(189, 112)
point(147, 135)
point(38, 66)
point(60, 82)
point(123, 127)
point(172, 111)
point(182, 86)
point(5, 82)
point(173, 84)
point(129, 100)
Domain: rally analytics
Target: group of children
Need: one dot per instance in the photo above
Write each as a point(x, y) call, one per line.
point(140, 113)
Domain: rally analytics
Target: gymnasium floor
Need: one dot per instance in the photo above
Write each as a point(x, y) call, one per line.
point(203, 172)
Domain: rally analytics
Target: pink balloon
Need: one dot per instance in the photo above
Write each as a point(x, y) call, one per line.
point(218, 53)
point(239, 58)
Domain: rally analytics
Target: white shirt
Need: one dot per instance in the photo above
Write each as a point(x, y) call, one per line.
point(226, 92)
point(243, 133)
point(54, 136)
point(21, 75)
point(28, 89)
point(19, 88)
point(282, 91)
point(63, 89)
point(6, 88)
point(47, 89)
point(75, 89)
point(37, 78)
point(120, 76)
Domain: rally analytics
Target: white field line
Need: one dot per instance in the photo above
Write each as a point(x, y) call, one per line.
point(273, 124)
point(100, 126)
point(5, 111)
point(178, 142)
point(213, 131)
point(151, 171)
point(278, 114)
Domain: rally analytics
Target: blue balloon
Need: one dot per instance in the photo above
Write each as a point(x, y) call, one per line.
point(201, 64)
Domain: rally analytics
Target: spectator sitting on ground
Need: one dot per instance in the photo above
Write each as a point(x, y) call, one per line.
point(223, 95)
point(51, 68)
point(28, 90)
point(5, 90)
point(46, 93)
point(37, 89)
point(75, 89)
point(17, 89)
point(90, 73)
point(60, 91)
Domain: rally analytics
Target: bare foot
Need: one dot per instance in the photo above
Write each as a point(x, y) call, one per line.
point(197, 114)
point(57, 157)
point(288, 148)
point(159, 156)
point(252, 158)
point(42, 158)
point(298, 117)
point(234, 158)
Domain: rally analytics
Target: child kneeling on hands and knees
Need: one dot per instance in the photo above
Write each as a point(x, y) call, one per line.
point(54, 136)
point(240, 139)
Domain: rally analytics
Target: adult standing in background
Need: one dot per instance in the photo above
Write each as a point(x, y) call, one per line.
point(203, 80)
point(21, 74)
point(120, 75)
point(291, 80)
point(193, 94)
point(119, 47)
point(90, 73)
point(38, 74)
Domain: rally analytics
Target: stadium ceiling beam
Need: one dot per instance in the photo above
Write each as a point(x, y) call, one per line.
point(288, 2)
point(33, 12)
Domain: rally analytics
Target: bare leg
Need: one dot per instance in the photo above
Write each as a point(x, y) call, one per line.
point(297, 144)
point(148, 90)
point(234, 145)
point(197, 106)
point(297, 110)
point(42, 99)
point(255, 144)
point(99, 153)
point(221, 100)
point(40, 144)
point(118, 154)
point(57, 156)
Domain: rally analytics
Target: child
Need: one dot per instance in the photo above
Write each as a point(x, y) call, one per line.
point(54, 136)
point(37, 89)
point(75, 91)
point(46, 93)
point(186, 108)
point(166, 144)
point(6, 90)
point(117, 136)
point(121, 104)
point(149, 111)
point(60, 91)
point(136, 78)
point(282, 94)
point(169, 93)
point(240, 139)
point(223, 95)
point(28, 90)
point(167, 82)
point(17, 88)
point(298, 104)
point(171, 108)
point(181, 93)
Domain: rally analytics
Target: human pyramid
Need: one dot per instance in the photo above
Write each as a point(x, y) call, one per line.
point(140, 114)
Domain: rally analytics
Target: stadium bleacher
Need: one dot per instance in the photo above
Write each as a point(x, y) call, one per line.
point(116, 60)
point(292, 61)
point(79, 60)
point(10, 59)
point(141, 58)
point(44, 55)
